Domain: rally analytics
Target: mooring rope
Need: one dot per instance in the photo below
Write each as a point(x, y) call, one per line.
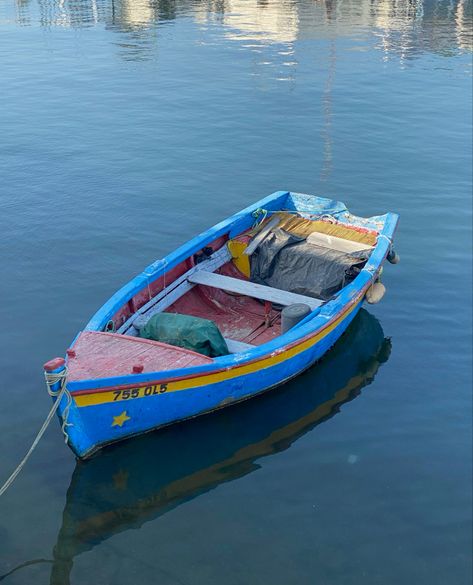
point(25, 564)
point(51, 380)
point(60, 378)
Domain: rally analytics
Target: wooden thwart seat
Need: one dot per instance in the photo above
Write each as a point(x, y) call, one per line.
point(251, 289)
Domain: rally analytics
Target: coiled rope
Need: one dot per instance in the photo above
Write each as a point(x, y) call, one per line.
point(51, 380)
point(260, 215)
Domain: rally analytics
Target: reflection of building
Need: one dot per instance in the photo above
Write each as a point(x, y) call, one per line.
point(135, 13)
point(65, 13)
point(404, 27)
point(464, 24)
point(260, 20)
point(409, 28)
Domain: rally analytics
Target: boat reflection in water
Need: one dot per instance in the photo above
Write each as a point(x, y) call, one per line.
point(133, 482)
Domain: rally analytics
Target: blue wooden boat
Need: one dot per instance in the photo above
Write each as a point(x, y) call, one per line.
point(141, 480)
point(275, 285)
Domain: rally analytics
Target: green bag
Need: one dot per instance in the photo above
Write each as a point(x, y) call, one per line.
point(194, 333)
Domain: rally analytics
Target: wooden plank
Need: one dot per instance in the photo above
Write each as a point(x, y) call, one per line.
point(163, 304)
point(99, 354)
point(261, 235)
point(178, 287)
point(336, 243)
point(235, 346)
point(250, 289)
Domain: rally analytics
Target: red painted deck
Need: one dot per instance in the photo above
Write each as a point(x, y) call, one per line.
point(238, 317)
point(100, 355)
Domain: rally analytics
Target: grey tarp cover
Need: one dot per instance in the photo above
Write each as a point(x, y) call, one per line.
point(194, 333)
point(289, 263)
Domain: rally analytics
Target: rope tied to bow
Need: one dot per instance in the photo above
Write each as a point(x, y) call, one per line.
point(260, 215)
point(52, 379)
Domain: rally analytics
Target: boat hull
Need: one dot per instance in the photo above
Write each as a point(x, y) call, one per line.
point(141, 480)
point(99, 417)
point(103, 407)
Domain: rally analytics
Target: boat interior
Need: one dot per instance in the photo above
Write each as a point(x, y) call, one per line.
point(241, 284)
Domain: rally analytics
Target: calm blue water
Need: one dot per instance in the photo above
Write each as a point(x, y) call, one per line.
point(127, 126)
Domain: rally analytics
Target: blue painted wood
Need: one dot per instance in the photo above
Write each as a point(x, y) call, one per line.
point(92, 424)
point(251, 289)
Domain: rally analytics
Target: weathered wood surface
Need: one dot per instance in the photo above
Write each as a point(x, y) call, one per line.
point(336, 243)
point(244, 287)
point(176, 289)
point(261, 235)
point(99, 355)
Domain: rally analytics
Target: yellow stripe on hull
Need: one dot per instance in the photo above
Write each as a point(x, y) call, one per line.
point(144, 391)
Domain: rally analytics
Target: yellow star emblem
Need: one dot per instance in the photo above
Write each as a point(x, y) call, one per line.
point(119, 420)
point(120, 480)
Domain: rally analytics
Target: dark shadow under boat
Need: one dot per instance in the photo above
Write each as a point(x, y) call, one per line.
point(134, 482)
